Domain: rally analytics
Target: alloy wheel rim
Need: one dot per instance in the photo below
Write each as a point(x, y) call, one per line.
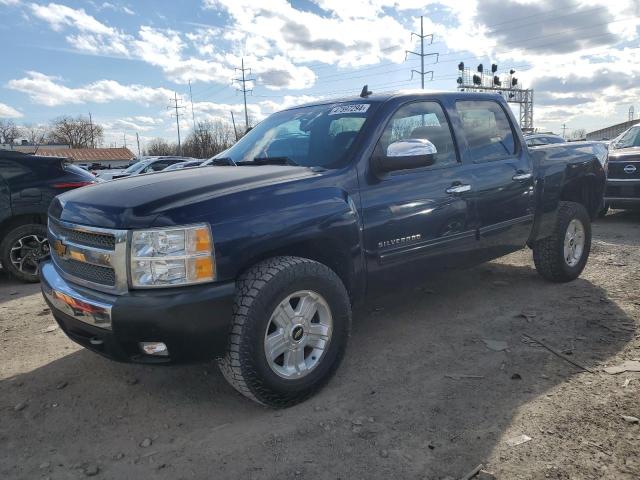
point(574, 240)
point(27, 251)
point(298, 334)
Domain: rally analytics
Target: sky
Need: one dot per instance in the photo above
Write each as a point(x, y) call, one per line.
point(124, 61)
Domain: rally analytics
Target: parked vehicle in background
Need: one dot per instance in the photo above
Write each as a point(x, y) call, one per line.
point(187, 164)
point(258, 259)
point(623, 180)
point(148, 166)
point(538, 139)
point(28, 184)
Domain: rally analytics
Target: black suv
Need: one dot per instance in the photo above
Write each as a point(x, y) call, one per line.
point(28, 184)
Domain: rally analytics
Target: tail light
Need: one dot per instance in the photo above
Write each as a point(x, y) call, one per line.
point(73, 184)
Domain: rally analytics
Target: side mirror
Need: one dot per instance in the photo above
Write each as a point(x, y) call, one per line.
point(406, 154)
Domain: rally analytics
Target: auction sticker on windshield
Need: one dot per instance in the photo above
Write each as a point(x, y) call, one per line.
point(351, 108)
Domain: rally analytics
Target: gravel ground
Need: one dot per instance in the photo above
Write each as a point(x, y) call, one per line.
point(437, 380)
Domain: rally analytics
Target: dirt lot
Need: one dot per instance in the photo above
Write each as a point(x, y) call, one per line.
point(400, 406)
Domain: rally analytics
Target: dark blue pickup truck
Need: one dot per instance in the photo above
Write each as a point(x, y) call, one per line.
point(257, 259)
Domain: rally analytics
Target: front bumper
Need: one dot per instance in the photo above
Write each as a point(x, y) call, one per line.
point(193, 322)
point(622, 193)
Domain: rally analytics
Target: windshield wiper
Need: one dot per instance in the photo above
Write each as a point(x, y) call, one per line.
point(271, 161)
point(223, 161)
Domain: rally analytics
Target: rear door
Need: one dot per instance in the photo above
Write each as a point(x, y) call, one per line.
point(420, 219)
point(502, 175)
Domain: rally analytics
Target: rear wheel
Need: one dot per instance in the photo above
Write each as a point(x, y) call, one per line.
point(562, 256)
point(22, 249)
point(291, 323)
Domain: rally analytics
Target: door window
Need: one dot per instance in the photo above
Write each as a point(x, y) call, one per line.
point(487, 130)
point(424, 120)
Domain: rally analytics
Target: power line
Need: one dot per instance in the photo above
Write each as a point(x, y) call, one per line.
point(243, 81)
point(177, 108)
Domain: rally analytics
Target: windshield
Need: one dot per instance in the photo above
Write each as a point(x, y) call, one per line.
point(630, 138)
point(315, 136)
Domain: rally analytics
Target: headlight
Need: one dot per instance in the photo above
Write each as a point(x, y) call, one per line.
point(172, 256)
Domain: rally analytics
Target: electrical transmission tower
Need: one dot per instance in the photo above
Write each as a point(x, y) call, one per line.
point(243, 80)
point(422, 36)
point(478, 81)
point(631, 113)
point(176, 105)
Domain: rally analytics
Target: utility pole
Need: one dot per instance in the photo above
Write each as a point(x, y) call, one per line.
point(91, 131)
point(177, 108)
point(422, 36)
point(243, 81)
point(233, 120)
point(138, 141)
point(564, 128)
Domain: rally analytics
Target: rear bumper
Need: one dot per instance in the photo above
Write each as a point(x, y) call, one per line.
point(192, 321)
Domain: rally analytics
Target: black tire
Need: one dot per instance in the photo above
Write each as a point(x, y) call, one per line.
point(258, 292)
point(29, 272)
point(548, 253)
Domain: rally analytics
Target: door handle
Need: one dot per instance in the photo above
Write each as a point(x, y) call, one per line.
point(458, 188)
point(518, 177)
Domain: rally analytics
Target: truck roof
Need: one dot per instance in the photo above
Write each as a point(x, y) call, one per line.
point(409, 94)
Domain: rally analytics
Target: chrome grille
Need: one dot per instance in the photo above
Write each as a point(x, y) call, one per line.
point(90, 256)
point(91, 239)
point(88, 271)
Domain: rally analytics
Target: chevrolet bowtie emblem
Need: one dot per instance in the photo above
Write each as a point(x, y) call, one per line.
point(60, 248)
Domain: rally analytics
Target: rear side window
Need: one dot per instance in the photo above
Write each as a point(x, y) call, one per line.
point(486, 129)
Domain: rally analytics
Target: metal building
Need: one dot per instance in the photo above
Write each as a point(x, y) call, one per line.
point(611, 132)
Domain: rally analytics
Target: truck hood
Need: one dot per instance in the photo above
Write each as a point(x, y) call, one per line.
point(135, 202)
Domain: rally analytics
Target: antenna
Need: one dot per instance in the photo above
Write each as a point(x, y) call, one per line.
point(365, 92)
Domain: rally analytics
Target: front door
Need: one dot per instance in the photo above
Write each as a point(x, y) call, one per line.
point(420, 219)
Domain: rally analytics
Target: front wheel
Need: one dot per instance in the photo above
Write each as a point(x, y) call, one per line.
point(22, 249)
point(291, 323)
point(562, 256)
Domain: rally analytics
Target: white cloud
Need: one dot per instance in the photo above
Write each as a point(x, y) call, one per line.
point(47, 90)
point(351, 37)
point(60, 16)
point(116, 8)
point(8, 112)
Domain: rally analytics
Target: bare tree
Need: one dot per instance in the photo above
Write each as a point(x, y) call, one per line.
point(159, 146)
point(209, 139)
point(34, 134)
point(76, 132)
point(9, 131)
point(579, 134)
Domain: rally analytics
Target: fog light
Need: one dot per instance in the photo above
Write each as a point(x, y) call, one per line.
point(158, 349)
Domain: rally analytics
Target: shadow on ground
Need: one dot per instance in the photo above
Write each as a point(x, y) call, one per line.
point(399, 407)
point(11, 289)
